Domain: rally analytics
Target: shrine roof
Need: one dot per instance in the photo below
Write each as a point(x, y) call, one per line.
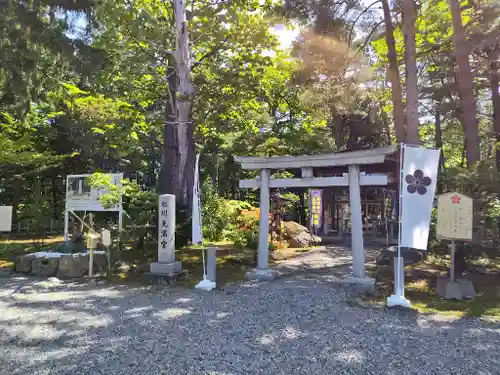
point(360, 157)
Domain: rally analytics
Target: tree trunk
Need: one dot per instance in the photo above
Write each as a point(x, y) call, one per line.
point(170, 144)
point(493, 56)
point(179, 142)
point(465, 85)
point(55, 202)
point(409, 32)
point(438, 136)
point(16, 198)
point(302, 208)
point(393, 75)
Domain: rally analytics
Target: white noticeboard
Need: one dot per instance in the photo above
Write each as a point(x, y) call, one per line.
point(80, 196)
point(454, 217)
point(5, 218)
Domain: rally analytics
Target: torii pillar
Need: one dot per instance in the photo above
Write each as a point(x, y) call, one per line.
point(263, 272)
point(358, 250)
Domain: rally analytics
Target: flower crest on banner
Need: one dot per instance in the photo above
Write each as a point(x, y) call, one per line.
point(417, 182)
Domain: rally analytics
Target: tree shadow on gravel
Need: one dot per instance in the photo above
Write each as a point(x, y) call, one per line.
point(303, 324)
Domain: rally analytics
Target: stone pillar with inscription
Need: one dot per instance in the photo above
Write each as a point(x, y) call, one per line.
point(166, 265)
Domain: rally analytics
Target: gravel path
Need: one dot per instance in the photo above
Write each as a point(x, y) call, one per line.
point(336, 259)
point(296, 325)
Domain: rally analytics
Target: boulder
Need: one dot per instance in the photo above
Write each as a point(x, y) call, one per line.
point(384, 277)
point(100, 262)
point(22, 264)
point(73, 265)
point(122, 267)
point(459, 289)
point(44, 266)
point(299, 236)
point(77, 265)
point(62, 265)
point(410, 256)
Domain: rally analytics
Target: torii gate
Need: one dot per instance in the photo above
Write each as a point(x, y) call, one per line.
point(354, 179)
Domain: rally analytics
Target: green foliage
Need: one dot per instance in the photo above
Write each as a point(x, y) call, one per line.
point(128, 192)
point(219, 214)
point(36, 210)
point(480, 183)
point(140, 206)
point(246, 233)
point(36, 50)
point(290, 210)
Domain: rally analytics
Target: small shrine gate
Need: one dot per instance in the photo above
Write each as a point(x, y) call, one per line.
point(310, 165)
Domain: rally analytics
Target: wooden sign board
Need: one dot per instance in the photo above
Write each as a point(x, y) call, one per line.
point(454, 217)
point(5, 218)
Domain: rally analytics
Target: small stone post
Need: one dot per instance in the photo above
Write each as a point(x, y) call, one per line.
point(211, 263)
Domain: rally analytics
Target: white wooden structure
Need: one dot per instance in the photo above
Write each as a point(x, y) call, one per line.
point(308, 163)
point(80, 196)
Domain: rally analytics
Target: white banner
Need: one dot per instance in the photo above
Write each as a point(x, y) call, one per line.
point(420, 170)
point(196, 231)
point(5, 218)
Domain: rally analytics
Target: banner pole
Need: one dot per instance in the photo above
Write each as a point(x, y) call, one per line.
point(197, 231)
point(397, 298)
point(399, 292)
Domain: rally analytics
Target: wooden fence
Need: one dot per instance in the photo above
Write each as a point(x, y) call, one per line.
point(56, 227)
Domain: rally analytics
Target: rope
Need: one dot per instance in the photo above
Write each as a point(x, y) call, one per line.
point(177, 122)
point(83, 222)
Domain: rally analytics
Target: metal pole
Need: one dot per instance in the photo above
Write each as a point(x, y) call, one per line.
point(452, 265)
point(91, 263)
point(66, 224)
point(399, 287)
point(386, 223)
point(120, 220)
point(108, 255)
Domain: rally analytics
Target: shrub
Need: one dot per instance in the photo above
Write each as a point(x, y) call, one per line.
point(246, 234)
point(140, 206)
point(219, 215)
point(36, 210)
